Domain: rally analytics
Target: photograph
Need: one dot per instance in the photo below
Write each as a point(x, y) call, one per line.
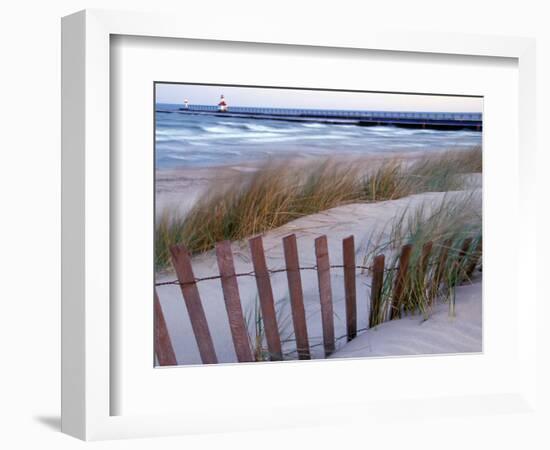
point(298, 223)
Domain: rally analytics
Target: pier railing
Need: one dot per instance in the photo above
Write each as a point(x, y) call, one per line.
point(445, 120)
point(457, 116)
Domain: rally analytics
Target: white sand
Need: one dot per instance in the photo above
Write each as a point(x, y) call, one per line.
point(413, 335)
point(360, 220)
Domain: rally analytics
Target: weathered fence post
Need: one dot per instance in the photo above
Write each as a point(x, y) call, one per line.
point(437, 278)
point(296, 296)
point(232, 300)
point(325, 293)
point(377, 283)
point(461, 271)
point(425, 258)
point(464, 249)
point(422, 270)
point(474, 258)
point(267, 304)
point(400, 281)
point(163, 344)
point(186, 278)
point(348, 251)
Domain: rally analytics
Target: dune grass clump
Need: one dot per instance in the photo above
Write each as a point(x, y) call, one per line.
point(278, 193)
point(387, 182)
point(438, 172)
point(453, 227)
point(268, 198)
point(445, 238)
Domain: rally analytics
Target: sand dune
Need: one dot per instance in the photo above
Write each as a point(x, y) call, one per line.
point(405, 336)
point(413, 335)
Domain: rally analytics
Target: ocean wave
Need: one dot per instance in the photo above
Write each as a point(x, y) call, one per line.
point(279, 138)
point(197, 140)
point(232, 124)
point(229, 136)
point(218, 129)
point(314, 125)
point(254, 127)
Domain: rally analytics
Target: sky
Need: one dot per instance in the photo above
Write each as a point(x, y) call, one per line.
point(293, 98)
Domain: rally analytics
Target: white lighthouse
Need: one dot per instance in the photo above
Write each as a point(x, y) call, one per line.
point(222, 105)
point(186, 104)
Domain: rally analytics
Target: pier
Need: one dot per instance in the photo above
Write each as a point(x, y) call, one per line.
point(407, 119)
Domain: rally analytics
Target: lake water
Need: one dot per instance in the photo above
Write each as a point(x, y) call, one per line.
point(190, 140)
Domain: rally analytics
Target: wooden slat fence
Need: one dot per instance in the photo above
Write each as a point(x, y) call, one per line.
point(267, 303)
point(163, 345)
point(387, 295)
point(325, 294)
point(400, 280)
point(232, 299)
point(348, 252)
point(296, 296)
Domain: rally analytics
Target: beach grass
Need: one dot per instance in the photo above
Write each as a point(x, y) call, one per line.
point(256, 330)
point(279, 192)
point(454, 227)
point(446, 224)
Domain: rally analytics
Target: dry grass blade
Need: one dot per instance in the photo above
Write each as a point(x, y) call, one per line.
point(277, 193)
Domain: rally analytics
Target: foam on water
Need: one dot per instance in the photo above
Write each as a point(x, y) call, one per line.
point(314, 125)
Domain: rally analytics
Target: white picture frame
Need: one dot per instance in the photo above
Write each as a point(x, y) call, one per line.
point(87, 326)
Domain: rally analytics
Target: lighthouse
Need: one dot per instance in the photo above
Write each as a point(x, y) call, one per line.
point(222, 105)
point(186, 104)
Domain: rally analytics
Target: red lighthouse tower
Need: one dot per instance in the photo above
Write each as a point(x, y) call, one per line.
point(222, 105)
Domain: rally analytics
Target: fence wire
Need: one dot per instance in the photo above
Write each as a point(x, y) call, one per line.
point(252, 273)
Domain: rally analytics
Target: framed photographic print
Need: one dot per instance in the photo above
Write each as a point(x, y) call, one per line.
point(317, 216)
point(293, 217)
